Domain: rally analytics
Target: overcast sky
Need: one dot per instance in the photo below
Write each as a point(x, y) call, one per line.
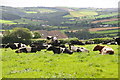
point(63, 3)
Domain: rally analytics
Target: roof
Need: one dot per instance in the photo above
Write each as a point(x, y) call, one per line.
point(58, 34)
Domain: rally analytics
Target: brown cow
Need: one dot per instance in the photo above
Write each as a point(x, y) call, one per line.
point(104, 49)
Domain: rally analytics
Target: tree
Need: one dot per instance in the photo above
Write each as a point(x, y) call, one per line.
point(22, 35)
point(36, 35)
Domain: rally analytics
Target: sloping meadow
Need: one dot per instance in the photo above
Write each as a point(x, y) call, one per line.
point(48, 65)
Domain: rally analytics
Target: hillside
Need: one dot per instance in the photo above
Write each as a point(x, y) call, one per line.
point(58, 18)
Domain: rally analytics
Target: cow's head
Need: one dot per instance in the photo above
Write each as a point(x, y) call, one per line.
point(82, 49)
point(98, 47)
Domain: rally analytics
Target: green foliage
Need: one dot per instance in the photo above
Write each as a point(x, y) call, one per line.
point(48, 65)
point(17, 35)
point(36, 35)
point(100, 40)
point(22, 33)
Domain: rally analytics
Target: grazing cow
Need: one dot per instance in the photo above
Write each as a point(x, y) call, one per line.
point(117, 40)
point(14, 45)
point(27, 50)
point(76, 42)
point(104, 50)
point(77, 49)
point(59, 49)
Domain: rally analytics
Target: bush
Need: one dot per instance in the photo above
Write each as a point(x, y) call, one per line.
point(100, 40)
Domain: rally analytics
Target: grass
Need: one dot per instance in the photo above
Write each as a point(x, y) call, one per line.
point(30, 12)
point(27, 21)
point(7, 22)
point(81, 13)
point(105, 31)
point(48, 65)
point(111, 22)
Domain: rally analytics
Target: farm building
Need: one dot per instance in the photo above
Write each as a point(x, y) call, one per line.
point(45, 33)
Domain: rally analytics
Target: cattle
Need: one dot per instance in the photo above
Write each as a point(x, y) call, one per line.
point(39, 46)
point(77, 49)
point(2, 45)
point(27, 50)
point(89, 42)
point(14, 45)
point(76, 42)
point(59, 49)
point(112, 43)
point(104, 50)
point(117, 40)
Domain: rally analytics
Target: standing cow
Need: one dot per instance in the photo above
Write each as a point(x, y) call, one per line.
point(104, 50)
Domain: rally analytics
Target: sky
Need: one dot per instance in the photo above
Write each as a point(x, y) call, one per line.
point(61, 3)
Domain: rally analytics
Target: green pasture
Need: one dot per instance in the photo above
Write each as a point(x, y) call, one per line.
point(46, 10)
point(48, 65)
point(7, 22)
point(81, 13)
point(111, 22)
point(27, 21)
point(107, 15)
point(105, 31)
point(30, 12)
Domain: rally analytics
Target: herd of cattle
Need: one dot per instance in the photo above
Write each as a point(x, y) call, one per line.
point(53, 44)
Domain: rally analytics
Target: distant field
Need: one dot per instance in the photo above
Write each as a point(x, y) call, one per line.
point(106, 31)
point(107, 15)
point(28, 21)
point(105, 28)
point(46, 10)
point(111, 22)
point(104, 20)
point(81, 13)
point(48, 65)
point(30, 12)
point(7, 22)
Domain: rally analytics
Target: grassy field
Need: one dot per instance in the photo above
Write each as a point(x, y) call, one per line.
point(81, 13)
point(48, 65)
point(7, 22)
point(105, 31)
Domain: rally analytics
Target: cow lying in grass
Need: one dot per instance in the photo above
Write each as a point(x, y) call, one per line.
point(14, 45)
point(104, 49)
point(27, 50)
point(77, 49)
point(59, 49)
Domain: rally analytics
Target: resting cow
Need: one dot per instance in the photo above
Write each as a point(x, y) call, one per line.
point(104, 49)
point(39, 46)
point(27, 50)
point(77, 42)
point(77, 49)
point(14, 45)
point(59, 49)
point(117, 40)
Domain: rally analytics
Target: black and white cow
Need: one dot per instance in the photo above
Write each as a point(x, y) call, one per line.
point(39, 46)
point(59, 49)
point(14, 45)
point(117, 40)
point(76, 42)
point(27, 50)
point(89, 42)
point(77, 49)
